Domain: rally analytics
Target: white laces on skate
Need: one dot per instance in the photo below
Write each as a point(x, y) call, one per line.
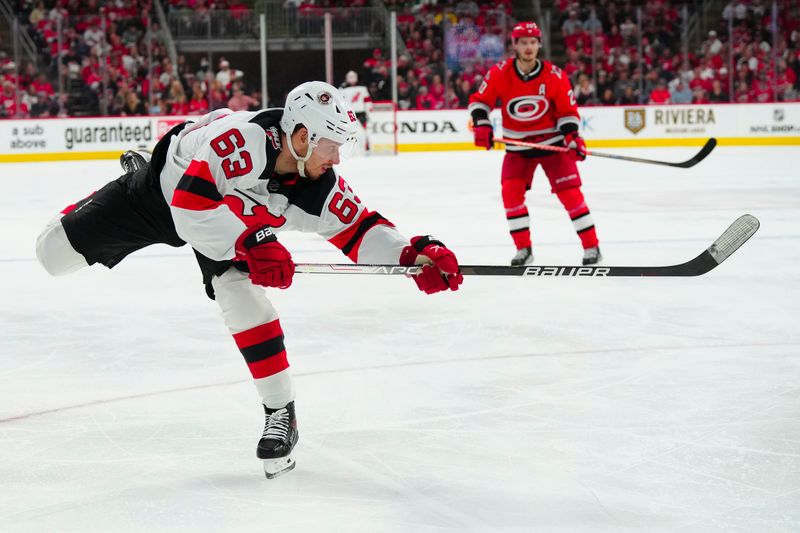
point(277, 425)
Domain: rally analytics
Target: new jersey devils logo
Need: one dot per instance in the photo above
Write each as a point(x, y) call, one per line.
point(527, 108)
point(259, 214)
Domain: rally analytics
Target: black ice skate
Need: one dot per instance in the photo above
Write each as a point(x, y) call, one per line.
point(279, 437)
point(523, 257)
point(133, 160)
point(592, 256)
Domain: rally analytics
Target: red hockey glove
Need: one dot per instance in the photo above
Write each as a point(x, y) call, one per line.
point(443, 274)
point(270, 264)
point(574, 141)
point(483, 133)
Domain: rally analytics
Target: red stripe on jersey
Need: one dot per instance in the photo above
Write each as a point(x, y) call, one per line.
point(353, 255)
point(71, 207)
point(258, 334)
point(193, 202)
point(200, 169)
point(342, 239)
point(345, 237)
point(269, 367)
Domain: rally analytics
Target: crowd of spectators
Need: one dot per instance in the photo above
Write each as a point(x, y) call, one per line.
point(607, 68)
point(450, 46)
point(113, 60)
point(603, 58)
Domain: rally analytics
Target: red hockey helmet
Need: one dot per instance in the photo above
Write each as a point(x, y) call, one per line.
point(526, 29)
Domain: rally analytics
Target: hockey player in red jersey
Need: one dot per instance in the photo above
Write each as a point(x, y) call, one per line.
point(227, 184)
point(538, 106)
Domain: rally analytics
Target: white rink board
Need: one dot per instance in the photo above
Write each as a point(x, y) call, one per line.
point(539, 404)
point(619, 126)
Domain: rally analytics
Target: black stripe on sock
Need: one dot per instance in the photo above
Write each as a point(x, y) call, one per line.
point(263, 350)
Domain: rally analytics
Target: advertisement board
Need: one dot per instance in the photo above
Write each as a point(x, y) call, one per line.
point(681, 125)
point(55, 139)
point(618, 126)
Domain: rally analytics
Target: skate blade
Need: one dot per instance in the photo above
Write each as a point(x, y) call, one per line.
point(277, 467)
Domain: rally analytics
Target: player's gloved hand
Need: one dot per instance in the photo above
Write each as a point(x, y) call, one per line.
point(440, 271)
point(270, 264)
point(484, 133)
point(576, 142)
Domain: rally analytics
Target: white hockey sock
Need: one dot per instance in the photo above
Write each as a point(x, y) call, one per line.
point(55, 252)
point(276, 390)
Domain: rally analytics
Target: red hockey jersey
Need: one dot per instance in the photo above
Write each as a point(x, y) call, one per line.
point(538, 106)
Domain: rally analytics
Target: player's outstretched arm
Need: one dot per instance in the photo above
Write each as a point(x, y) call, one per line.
point(366, 237)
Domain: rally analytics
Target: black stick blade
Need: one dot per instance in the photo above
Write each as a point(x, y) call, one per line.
point(702, 154)
point(699, 156)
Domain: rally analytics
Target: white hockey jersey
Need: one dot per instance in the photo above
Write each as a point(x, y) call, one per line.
point(357, 96)
point(219, 179)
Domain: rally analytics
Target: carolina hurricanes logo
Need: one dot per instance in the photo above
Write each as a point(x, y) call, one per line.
point(258, 217)
point(324, 97)
point(527, 108)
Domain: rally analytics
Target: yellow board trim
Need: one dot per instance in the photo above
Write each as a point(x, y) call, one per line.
point(623, 143)
point(59, 156)
point(446, 147)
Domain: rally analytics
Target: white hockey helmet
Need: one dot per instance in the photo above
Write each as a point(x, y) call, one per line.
point(320, 108)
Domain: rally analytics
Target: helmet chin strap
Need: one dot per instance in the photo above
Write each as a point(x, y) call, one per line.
point(301, 161)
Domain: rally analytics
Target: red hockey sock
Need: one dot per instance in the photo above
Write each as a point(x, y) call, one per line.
point(516, 213)
point(573, 202)
point(519, 226)
point(522, 239)
point(263, 349)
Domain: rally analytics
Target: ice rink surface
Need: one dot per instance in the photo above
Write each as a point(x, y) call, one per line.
point(515, 404)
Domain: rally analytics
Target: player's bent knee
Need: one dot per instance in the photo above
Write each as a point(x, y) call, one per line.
point(243, 304)
point(54, 251)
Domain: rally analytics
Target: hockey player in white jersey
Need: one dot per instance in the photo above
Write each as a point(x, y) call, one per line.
point(227, 184)
point(358, 99)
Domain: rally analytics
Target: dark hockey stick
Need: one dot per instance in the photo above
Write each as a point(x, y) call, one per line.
point(736, 235)
point(699, 156)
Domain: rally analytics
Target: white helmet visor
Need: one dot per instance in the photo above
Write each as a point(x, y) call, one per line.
point(334, 151)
